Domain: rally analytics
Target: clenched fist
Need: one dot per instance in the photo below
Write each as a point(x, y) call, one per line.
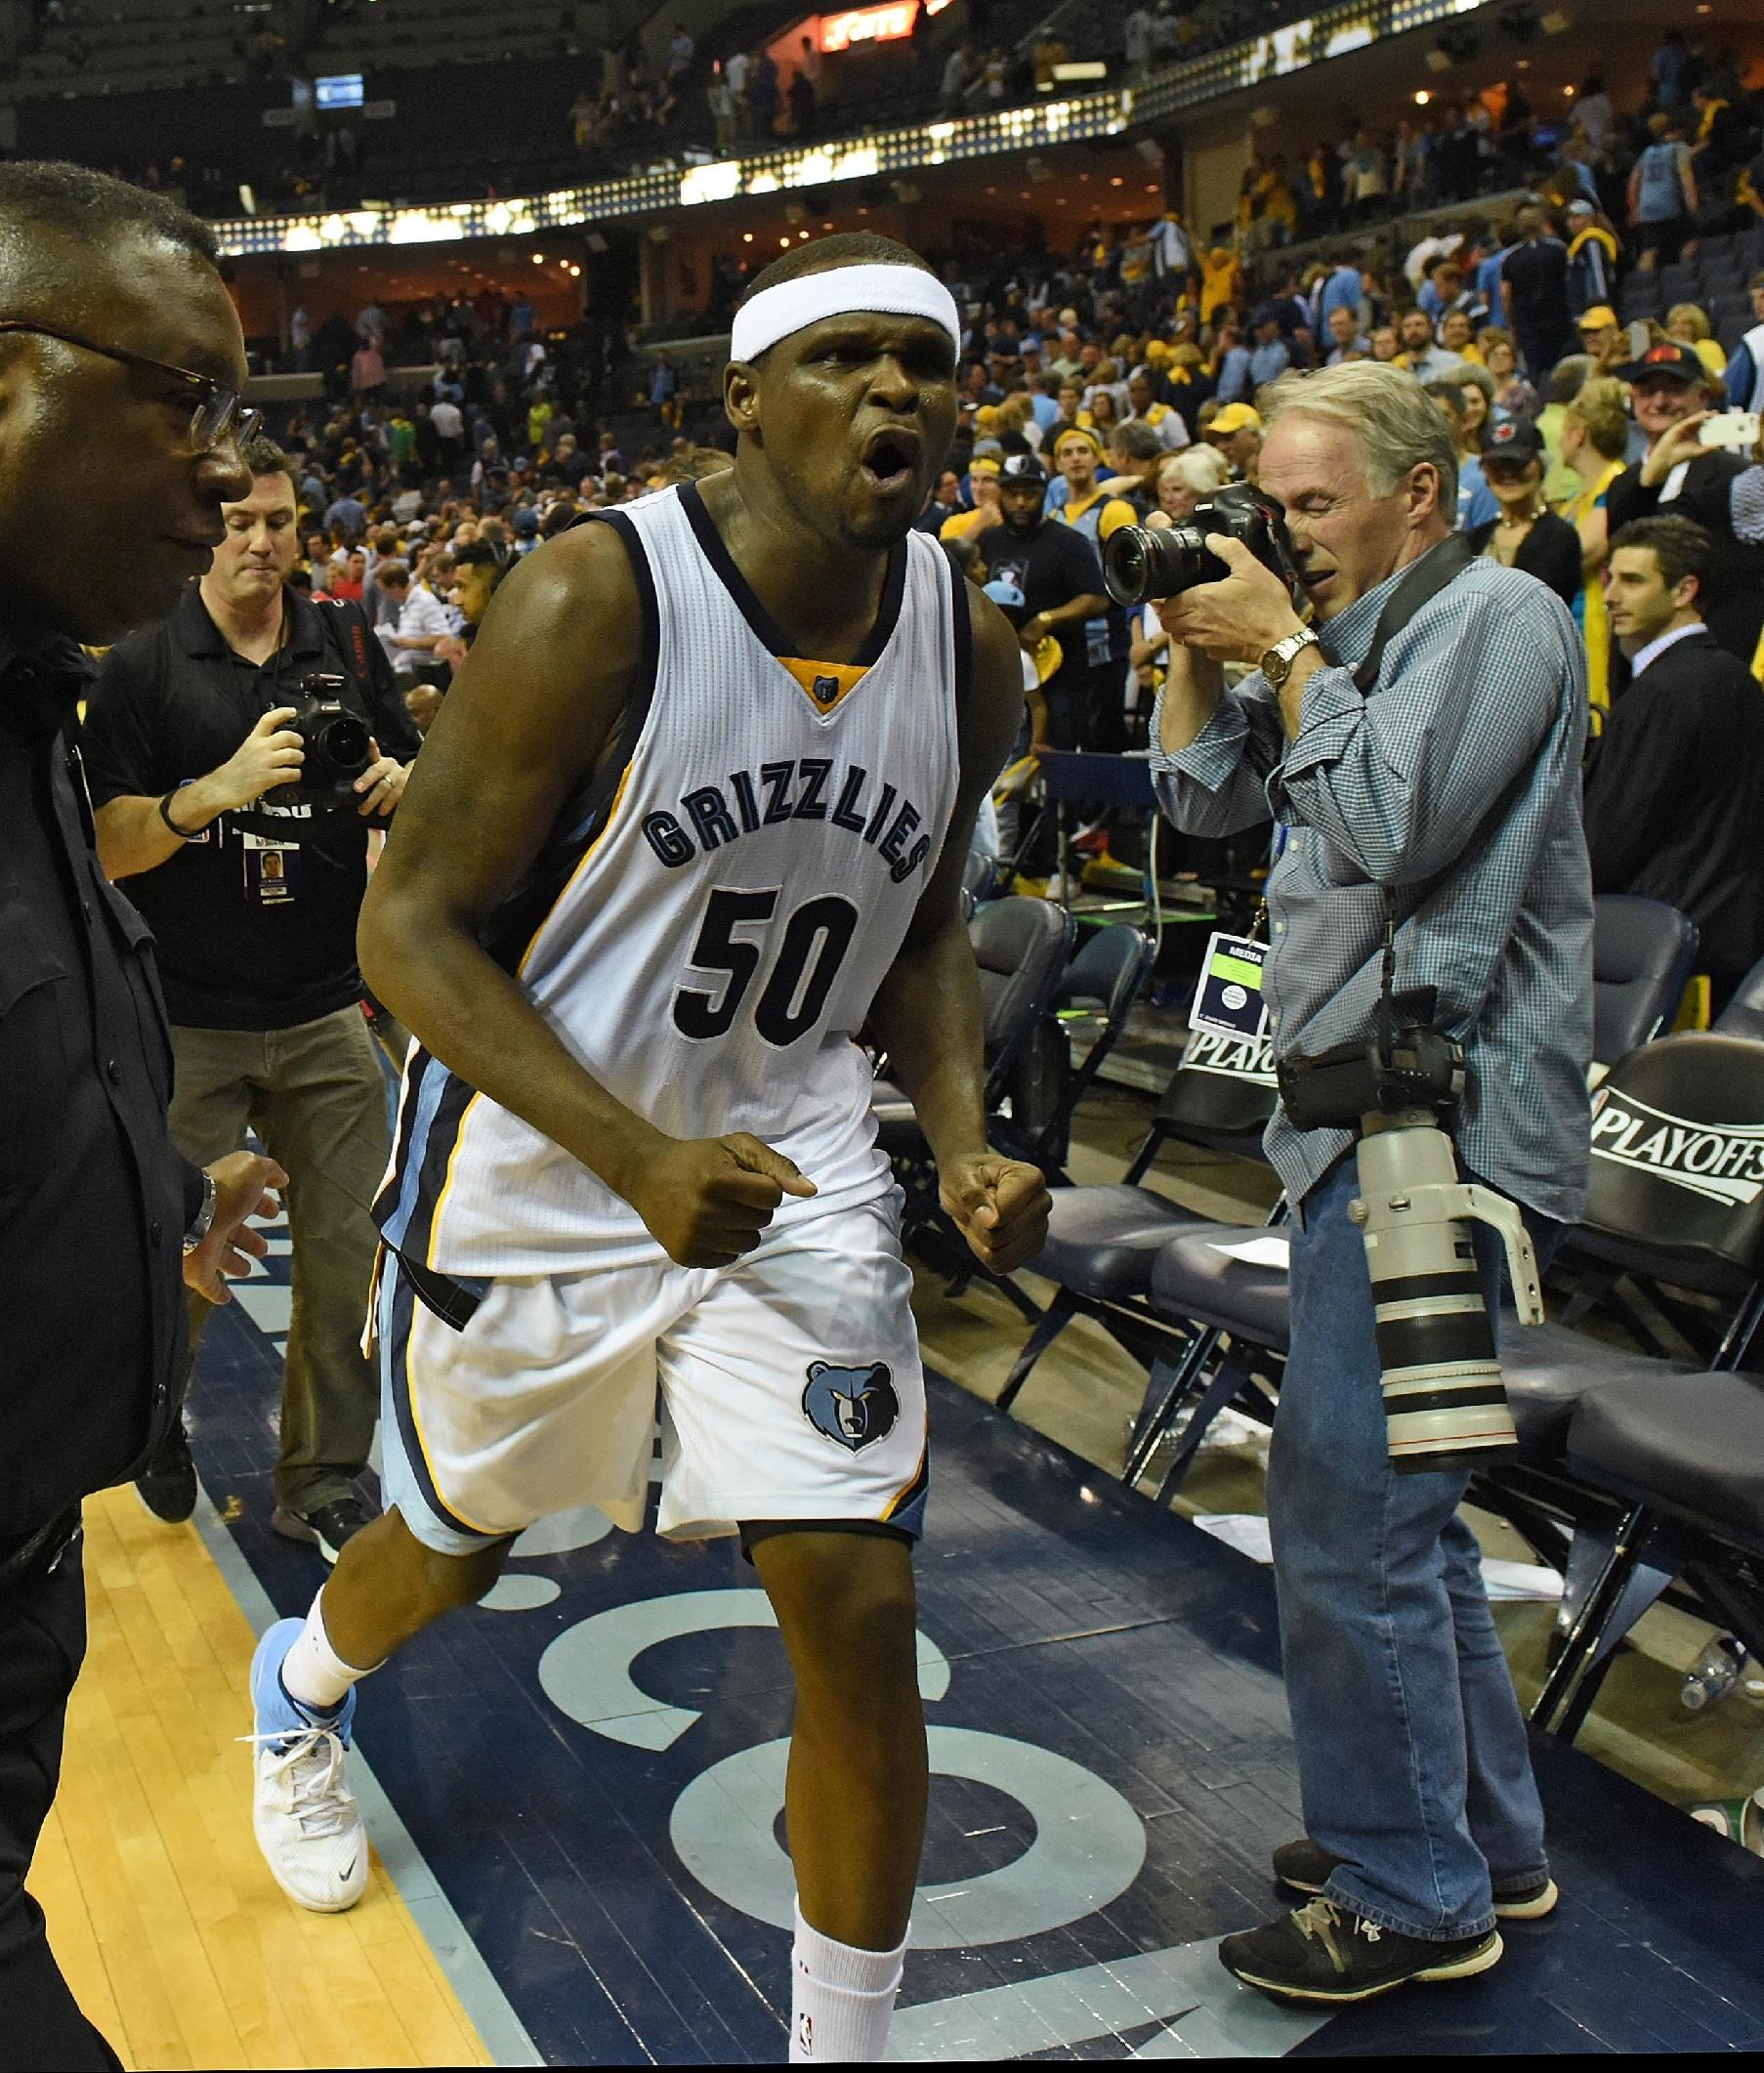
point(706, 1200)
point(1000, 1208)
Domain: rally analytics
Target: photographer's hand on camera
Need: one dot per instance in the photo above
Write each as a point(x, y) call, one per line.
point(270, 754)
point(138, 833)
point(1238, 621)
point(381, 785)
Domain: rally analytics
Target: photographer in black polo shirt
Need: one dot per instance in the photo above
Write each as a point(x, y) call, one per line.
point(252, 876)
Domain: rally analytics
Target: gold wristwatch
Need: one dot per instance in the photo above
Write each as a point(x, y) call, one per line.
point(1277, 664)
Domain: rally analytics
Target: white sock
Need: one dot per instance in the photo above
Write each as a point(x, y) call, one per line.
point(313, 1673)
point(842, 1999)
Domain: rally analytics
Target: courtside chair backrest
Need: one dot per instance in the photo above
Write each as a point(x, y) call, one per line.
point(1222, 1095)
point(1642, 954)
point(1022, 947)
point(1678, 1158)
point(1110, 968)
point(1744, 1015)
point(980, 878)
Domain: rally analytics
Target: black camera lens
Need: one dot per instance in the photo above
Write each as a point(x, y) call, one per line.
point(343, 741)
point(1139, 562)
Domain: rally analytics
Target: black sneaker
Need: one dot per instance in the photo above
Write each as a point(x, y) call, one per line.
point(1307, 1868)
point(1325, 1953)
point(326, 1527)
point(1305, 1865)
point(167, 1485)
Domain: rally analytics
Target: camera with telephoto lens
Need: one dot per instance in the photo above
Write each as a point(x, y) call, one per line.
point(1142, 563)
point(1444, 1401)
point(336, 741)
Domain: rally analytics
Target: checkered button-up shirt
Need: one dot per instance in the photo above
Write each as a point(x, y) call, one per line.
point(1456, 786)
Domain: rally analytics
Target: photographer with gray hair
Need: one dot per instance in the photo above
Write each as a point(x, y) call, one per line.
point(1418, 736)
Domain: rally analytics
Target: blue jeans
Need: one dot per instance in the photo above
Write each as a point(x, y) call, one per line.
point(1412, 1747)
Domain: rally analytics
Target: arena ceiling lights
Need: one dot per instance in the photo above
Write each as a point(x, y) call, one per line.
point(1330, 32)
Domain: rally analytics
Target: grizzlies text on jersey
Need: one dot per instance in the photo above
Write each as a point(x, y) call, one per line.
point(711, 918)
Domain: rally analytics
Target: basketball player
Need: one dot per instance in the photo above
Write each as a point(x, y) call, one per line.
point(694, 812)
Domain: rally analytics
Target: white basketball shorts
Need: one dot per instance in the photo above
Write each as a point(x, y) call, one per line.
point(787, 1386)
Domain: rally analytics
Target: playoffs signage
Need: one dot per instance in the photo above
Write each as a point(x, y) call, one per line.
point(1245, 1058)
point(1721, 1161)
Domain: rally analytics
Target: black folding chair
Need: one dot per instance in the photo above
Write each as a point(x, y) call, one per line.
point(1020, 947)
point(1744, 1015)
point(1102, 1240)
point(1643, 954)
point(1110, 970)
point(1704, 1243)
point(1694, 1243)
point(979, 880)
point(1687, 1463)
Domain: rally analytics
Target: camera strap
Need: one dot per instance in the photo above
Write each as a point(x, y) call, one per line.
point(347, 633)
point(1419, 585)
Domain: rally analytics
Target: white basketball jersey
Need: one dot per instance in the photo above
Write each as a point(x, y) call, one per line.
point(710, 920)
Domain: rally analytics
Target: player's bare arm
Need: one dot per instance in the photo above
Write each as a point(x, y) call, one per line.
point(927, 1010)
point(532, 712)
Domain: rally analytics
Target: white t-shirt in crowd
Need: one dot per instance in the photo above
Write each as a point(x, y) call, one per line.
point(423, 613)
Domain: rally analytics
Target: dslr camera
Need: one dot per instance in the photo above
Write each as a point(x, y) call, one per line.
point(336, 741)
point(1142, 563)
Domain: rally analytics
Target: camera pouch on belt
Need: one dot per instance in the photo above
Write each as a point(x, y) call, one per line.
point(1332, 1092)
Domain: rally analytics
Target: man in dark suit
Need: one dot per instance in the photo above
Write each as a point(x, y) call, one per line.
point(1675, 798)
point(122, 364)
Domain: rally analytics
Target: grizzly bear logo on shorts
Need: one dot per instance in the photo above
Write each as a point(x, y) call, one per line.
point(855, 1405)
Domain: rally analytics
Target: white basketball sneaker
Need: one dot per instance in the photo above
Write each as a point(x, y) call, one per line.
point(307, 1822)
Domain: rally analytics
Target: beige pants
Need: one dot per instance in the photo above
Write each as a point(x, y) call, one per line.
point(317, 1097)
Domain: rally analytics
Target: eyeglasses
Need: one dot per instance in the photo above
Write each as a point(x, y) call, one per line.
point(219, 410)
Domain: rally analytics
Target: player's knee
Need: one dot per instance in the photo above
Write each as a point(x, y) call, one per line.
point(452, 1582)
point(846, 1604)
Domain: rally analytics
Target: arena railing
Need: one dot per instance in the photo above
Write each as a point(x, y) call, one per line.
point(1330, 32)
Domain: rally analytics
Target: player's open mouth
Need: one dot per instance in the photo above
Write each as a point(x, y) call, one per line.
point(890, 459)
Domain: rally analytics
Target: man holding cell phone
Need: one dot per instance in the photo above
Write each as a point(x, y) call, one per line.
point(1685, 474)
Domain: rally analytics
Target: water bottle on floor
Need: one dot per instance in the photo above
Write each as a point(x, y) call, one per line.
point(1713, 1675)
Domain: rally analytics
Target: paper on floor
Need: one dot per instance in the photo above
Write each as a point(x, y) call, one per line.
point(1506, 1581)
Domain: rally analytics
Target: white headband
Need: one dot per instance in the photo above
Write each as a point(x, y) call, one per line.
point(839, 291)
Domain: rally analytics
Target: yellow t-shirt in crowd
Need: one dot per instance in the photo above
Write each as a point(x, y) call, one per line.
point(960, 523)
point(1116, 512)
point(1595, 623)
point(1712, 358)
point(1219, 274)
